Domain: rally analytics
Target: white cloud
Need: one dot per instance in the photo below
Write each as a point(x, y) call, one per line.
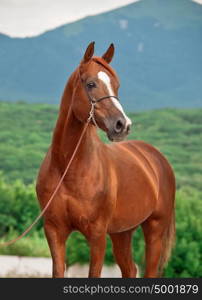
point(22, 18)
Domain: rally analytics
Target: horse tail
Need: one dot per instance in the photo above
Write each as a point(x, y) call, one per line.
point(168, 242)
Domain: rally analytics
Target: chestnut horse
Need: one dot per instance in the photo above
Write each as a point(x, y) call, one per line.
point(109, 189)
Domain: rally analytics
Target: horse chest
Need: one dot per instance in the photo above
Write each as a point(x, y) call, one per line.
point(87, 199)
point(81, 186)
point(84, 212)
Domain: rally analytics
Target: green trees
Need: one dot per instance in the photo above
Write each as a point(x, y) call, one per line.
point(23, 142)
point(187, 254)
point(19, 207)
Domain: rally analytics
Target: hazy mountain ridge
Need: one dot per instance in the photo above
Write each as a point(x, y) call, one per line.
point(158, 55)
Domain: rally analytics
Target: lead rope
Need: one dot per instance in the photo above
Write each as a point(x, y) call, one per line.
point(91, 117)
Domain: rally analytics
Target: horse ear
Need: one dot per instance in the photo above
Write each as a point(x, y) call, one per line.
point(108, 55)
point(89, 52)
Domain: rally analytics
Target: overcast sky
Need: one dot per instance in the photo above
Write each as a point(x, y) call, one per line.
point(20, 18)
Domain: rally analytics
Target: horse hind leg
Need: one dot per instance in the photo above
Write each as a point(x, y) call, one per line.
point(122, 249)
point(159, 237)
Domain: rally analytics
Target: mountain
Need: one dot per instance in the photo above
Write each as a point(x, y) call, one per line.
point(158, 55)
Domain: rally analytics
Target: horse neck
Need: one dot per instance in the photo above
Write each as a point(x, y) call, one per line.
point(68, 131)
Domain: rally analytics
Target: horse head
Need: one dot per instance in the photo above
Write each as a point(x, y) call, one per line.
point(97, 84)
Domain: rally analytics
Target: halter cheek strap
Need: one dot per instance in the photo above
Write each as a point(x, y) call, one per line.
point(92, 110)
point(91, 114)
point(93, 103)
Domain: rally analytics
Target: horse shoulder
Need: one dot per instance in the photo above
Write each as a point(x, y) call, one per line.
point(157, 159)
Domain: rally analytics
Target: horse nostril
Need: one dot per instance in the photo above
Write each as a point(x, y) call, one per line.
point(119, 126)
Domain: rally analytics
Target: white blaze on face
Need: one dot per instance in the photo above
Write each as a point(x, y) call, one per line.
point(106, 80)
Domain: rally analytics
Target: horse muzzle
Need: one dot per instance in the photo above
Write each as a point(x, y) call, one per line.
point(118, 129)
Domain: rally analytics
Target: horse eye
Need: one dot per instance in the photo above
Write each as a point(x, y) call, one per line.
point(91, 85)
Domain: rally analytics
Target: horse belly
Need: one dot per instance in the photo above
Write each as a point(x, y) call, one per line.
point(137, 192)
point(132, 209)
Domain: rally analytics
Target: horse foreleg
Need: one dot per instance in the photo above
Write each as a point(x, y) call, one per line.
point(122, 250)
point(56, 240)
point(97, 252)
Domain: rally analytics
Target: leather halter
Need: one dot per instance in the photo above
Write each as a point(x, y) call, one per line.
point(93, 103)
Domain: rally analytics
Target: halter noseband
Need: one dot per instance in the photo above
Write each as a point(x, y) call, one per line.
point(102, 98)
